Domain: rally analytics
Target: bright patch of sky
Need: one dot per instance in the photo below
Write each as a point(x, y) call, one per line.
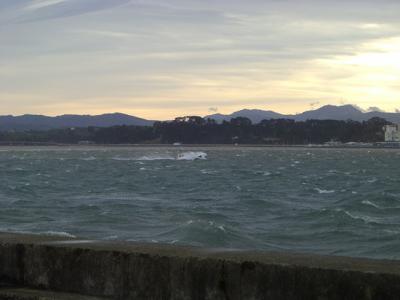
point(163, 58)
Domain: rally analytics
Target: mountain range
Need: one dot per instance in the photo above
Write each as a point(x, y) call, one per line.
point(40, 122)
point(327, 112)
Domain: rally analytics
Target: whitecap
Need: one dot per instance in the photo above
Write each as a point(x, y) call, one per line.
point(155, 157)
point(192, 156)
point(367, 202)
point(59, 233)
point(202, 223)
point(123, 158)
point(366, 219)
point(208, 172)
point(324, 191)
point(90, 158)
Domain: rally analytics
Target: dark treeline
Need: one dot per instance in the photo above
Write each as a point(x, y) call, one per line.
point(196, 130)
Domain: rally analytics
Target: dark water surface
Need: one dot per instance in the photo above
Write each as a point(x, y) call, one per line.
point(331, 201)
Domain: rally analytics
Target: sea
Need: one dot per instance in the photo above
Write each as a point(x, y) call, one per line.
point(313, 200)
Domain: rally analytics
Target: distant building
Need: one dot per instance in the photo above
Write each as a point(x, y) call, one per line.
point(392, 133)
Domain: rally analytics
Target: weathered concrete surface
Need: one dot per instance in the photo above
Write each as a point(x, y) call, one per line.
point(28, 294)
point(141, 271)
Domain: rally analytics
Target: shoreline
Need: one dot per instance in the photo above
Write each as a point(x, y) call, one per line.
point(89, 146)
point(125, 270)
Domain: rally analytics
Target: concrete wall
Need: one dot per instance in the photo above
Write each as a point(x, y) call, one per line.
point(139, 271)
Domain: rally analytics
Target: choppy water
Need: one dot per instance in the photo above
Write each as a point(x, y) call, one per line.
point(331, 201)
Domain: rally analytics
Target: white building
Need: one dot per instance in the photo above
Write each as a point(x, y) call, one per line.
point(392, 133)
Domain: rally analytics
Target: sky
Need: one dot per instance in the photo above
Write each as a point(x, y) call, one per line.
point(159, 59)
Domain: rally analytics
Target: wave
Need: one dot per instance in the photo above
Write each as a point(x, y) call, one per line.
point(372, 180)
point(367, 202)
point(365, 219)
point(155, 157)
point(18, 169)
point(192, 156)
point(208, 172)
point(144, 158)
point(204, 225)
point(46, 233)
point(59, 233)
point(324, 191)
point(263, 173)
point(123, 158)
point(181, 156)
point(89, 158)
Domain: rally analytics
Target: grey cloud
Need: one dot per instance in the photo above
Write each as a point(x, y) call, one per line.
point(95, 46)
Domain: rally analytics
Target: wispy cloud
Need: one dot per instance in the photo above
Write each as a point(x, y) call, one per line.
point(105, 33)
point(38, 4)
point(42, 10)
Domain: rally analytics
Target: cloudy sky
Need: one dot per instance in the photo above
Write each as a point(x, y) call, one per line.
point(163, 58)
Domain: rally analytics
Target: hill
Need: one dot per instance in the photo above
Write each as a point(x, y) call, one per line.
point(327, 112)
point(39, 122)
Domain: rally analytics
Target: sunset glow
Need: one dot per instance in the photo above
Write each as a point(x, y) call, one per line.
point(161, 59)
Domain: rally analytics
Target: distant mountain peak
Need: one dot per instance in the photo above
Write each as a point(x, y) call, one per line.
point(345, 107)
point(39, 122)
point(326, 112)
point(375, 109)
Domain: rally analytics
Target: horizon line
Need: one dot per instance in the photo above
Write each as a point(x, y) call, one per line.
point(360, 109)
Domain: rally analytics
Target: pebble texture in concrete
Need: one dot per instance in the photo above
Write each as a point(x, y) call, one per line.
point(141, 271)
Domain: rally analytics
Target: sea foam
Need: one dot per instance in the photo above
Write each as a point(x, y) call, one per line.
point(180, 156)
point(192, 155)
point(324, 191)
point(367, 202)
